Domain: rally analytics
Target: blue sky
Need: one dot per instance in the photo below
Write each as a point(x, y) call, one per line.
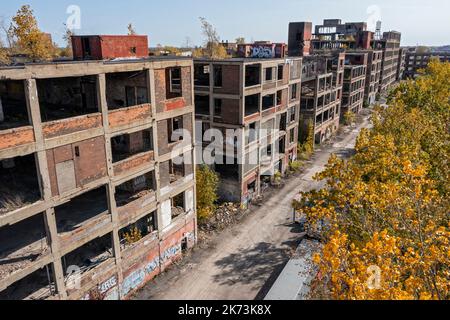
point(170, 22)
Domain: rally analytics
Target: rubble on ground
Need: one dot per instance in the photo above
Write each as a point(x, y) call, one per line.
point(224, 216)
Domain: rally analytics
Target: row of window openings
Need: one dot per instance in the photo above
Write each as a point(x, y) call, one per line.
point(28, 241)
point(62, 98)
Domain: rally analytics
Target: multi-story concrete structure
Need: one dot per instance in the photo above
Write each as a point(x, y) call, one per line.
point(355, 73)
point(373, 74)
point(401, 64)
point(249, 95)
point(333, 35)
point(390, 45)
point(322, 83)
point(87, 157)
point(414, 61)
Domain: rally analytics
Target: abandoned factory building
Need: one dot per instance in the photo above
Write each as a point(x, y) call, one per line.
point(97, 194)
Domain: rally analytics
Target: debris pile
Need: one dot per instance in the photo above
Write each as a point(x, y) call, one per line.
point(224, 216)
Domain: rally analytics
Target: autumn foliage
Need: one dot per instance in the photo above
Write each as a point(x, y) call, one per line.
point(207, 184)
point(384, 215)
point(29, 39)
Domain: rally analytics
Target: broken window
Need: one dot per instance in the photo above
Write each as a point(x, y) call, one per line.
point(138, 230)
point(175, 129)
point(126, 89)
point(174, 83)
point(201, 75)
point(251, 104)
point(202, 104)
point(128, 145)
point(282, 145)
point(135, 188)
point(22, 187)
point(178, 205)
point(268, 102)
point(13, 105)
point(279, 97)
point(63, 98)
point(252, 75)
point(252, 133)
point(294, 91)
point(81, 210)
point(21, 244)
point(268, 74)
point(280, 72)
point(176, 169)
point(88, 257)
point(39, 285)
point(283, 122)
point(218, 76)
point(217, 107)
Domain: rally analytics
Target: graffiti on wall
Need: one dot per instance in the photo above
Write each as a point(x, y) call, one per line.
point(137, 278)
point(170, 253)
point(263, 52)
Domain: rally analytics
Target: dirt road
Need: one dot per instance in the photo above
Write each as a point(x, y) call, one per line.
point(243, 262)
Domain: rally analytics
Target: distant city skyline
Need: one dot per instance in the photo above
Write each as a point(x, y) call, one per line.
point(176, 22)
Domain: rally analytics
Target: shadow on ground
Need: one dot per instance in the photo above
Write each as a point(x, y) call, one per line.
point(262, 263)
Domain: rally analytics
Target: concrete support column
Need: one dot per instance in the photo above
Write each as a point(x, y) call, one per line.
point(103, 108)
point(151, 86)
point(58, 272)
point(31, 95)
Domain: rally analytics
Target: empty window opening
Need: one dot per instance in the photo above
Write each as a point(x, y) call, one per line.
point(174, 83)
point(292, 114)
point(268, 102)
point(135, 188)
point(218, 107)
point(13, 105)
point(176, 169)
point(252, 104)
point(137, 231)
point(88, 257)
point(228, 171)
point(282, 146)
point(39, 285)
point(294, 91)
point(283, 122)
point(252, 133)
point(218, 76)
point(175, 129)
point(201, 75)
point(252, 75)
point(128, 145)
point(21, 244)
point(269, 73)
point(126, 89)
point(202, 104)
point(178, 205)
point(63, 98)
point(280, 72)
point(81, 210)
point(20, 184)
point(279, 97)
point(87, 53)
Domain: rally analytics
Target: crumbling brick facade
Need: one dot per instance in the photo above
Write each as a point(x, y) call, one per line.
point(89, 159)
point(248, 95)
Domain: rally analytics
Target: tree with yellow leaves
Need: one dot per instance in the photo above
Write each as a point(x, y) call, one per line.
point(29, 39)
point(207, 185)
point(213, 49)
point(4, 56)
point(384, 214)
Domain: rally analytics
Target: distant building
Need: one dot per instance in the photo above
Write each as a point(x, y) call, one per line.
point(415, 61)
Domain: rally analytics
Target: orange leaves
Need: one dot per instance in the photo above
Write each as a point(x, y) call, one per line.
point(387, 208)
